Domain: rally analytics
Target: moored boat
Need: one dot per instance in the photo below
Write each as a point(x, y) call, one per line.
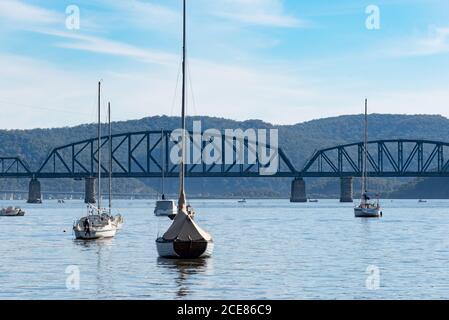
point(12, 212)
point(165, 208)
point(185, 239)
point(366, 208)
point(99, 223)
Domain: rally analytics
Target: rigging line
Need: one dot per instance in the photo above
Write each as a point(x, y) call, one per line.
point(176, 87)
point(41, 108)
point(191, 88)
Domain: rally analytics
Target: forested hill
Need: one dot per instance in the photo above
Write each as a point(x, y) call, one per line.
point(298, 141)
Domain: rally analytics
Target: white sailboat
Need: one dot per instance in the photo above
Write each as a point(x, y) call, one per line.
point(367, 208)
point(185, 239)
point(98, 223)
point(164, 207)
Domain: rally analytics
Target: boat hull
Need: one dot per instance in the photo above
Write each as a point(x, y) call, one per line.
point(367, 212)
point(14, 213)
point(165, 213)
point(94, 234)
point(184, 249)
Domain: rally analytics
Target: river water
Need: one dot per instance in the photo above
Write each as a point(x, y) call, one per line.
point(264, 249)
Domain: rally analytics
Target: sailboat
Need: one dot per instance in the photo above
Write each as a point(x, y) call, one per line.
point(185, 239)
point(98, 223)
point(367, 208)
point(164, 207)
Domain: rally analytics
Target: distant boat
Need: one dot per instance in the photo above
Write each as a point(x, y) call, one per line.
point(366, 208)
point(422, 201)
point(164, 207)
point(313, 200)
point(12, 212)
point(185, 239)
point(242, 201)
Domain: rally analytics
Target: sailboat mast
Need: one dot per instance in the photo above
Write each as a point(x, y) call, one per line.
point(182, 196)
point(99, 145)
point(365, 151)
point(163, 163)
point(110, 158)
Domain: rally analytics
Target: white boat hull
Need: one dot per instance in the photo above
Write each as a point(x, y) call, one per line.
point(12, 213)
point(183, 249)
point(367, 212)
point(100, 227)
point(95, 234)
point(165, 213)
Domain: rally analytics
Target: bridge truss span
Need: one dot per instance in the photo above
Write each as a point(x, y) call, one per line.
point(148, 154)
point(386, 158)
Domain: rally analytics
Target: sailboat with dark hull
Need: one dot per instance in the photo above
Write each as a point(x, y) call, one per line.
point(185, 239)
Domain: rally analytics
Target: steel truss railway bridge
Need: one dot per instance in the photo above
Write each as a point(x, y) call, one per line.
point(146, 154)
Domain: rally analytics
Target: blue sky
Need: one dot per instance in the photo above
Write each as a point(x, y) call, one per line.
point(282, 61)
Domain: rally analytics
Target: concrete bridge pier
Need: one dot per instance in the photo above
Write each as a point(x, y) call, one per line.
point(34, 191)
point(346, 189)
point(298, 193)
point(90, 190)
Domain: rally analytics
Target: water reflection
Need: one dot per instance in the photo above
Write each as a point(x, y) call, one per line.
point(103, 274)
point(185, 269)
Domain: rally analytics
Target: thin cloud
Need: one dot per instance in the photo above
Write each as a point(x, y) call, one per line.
point(110, 47)
point(435, 42)
point(269, 13)
point(264, 19)
point(17, 11)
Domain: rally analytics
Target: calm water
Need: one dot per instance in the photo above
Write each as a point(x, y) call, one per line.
point(264, 249)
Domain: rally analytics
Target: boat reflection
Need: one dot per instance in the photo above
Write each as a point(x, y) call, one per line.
point(185, 269)
point(104, 276)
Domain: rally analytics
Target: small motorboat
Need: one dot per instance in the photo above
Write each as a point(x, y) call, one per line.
point(313, 200)
point(165, 208)
point(422, 201)
point(242, 201)
point(12, 212)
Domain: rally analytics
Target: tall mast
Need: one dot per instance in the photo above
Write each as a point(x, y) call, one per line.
point(163, 162)
point(182, 196)
point(110, 158)
point(99, 145)
point(365, 151)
